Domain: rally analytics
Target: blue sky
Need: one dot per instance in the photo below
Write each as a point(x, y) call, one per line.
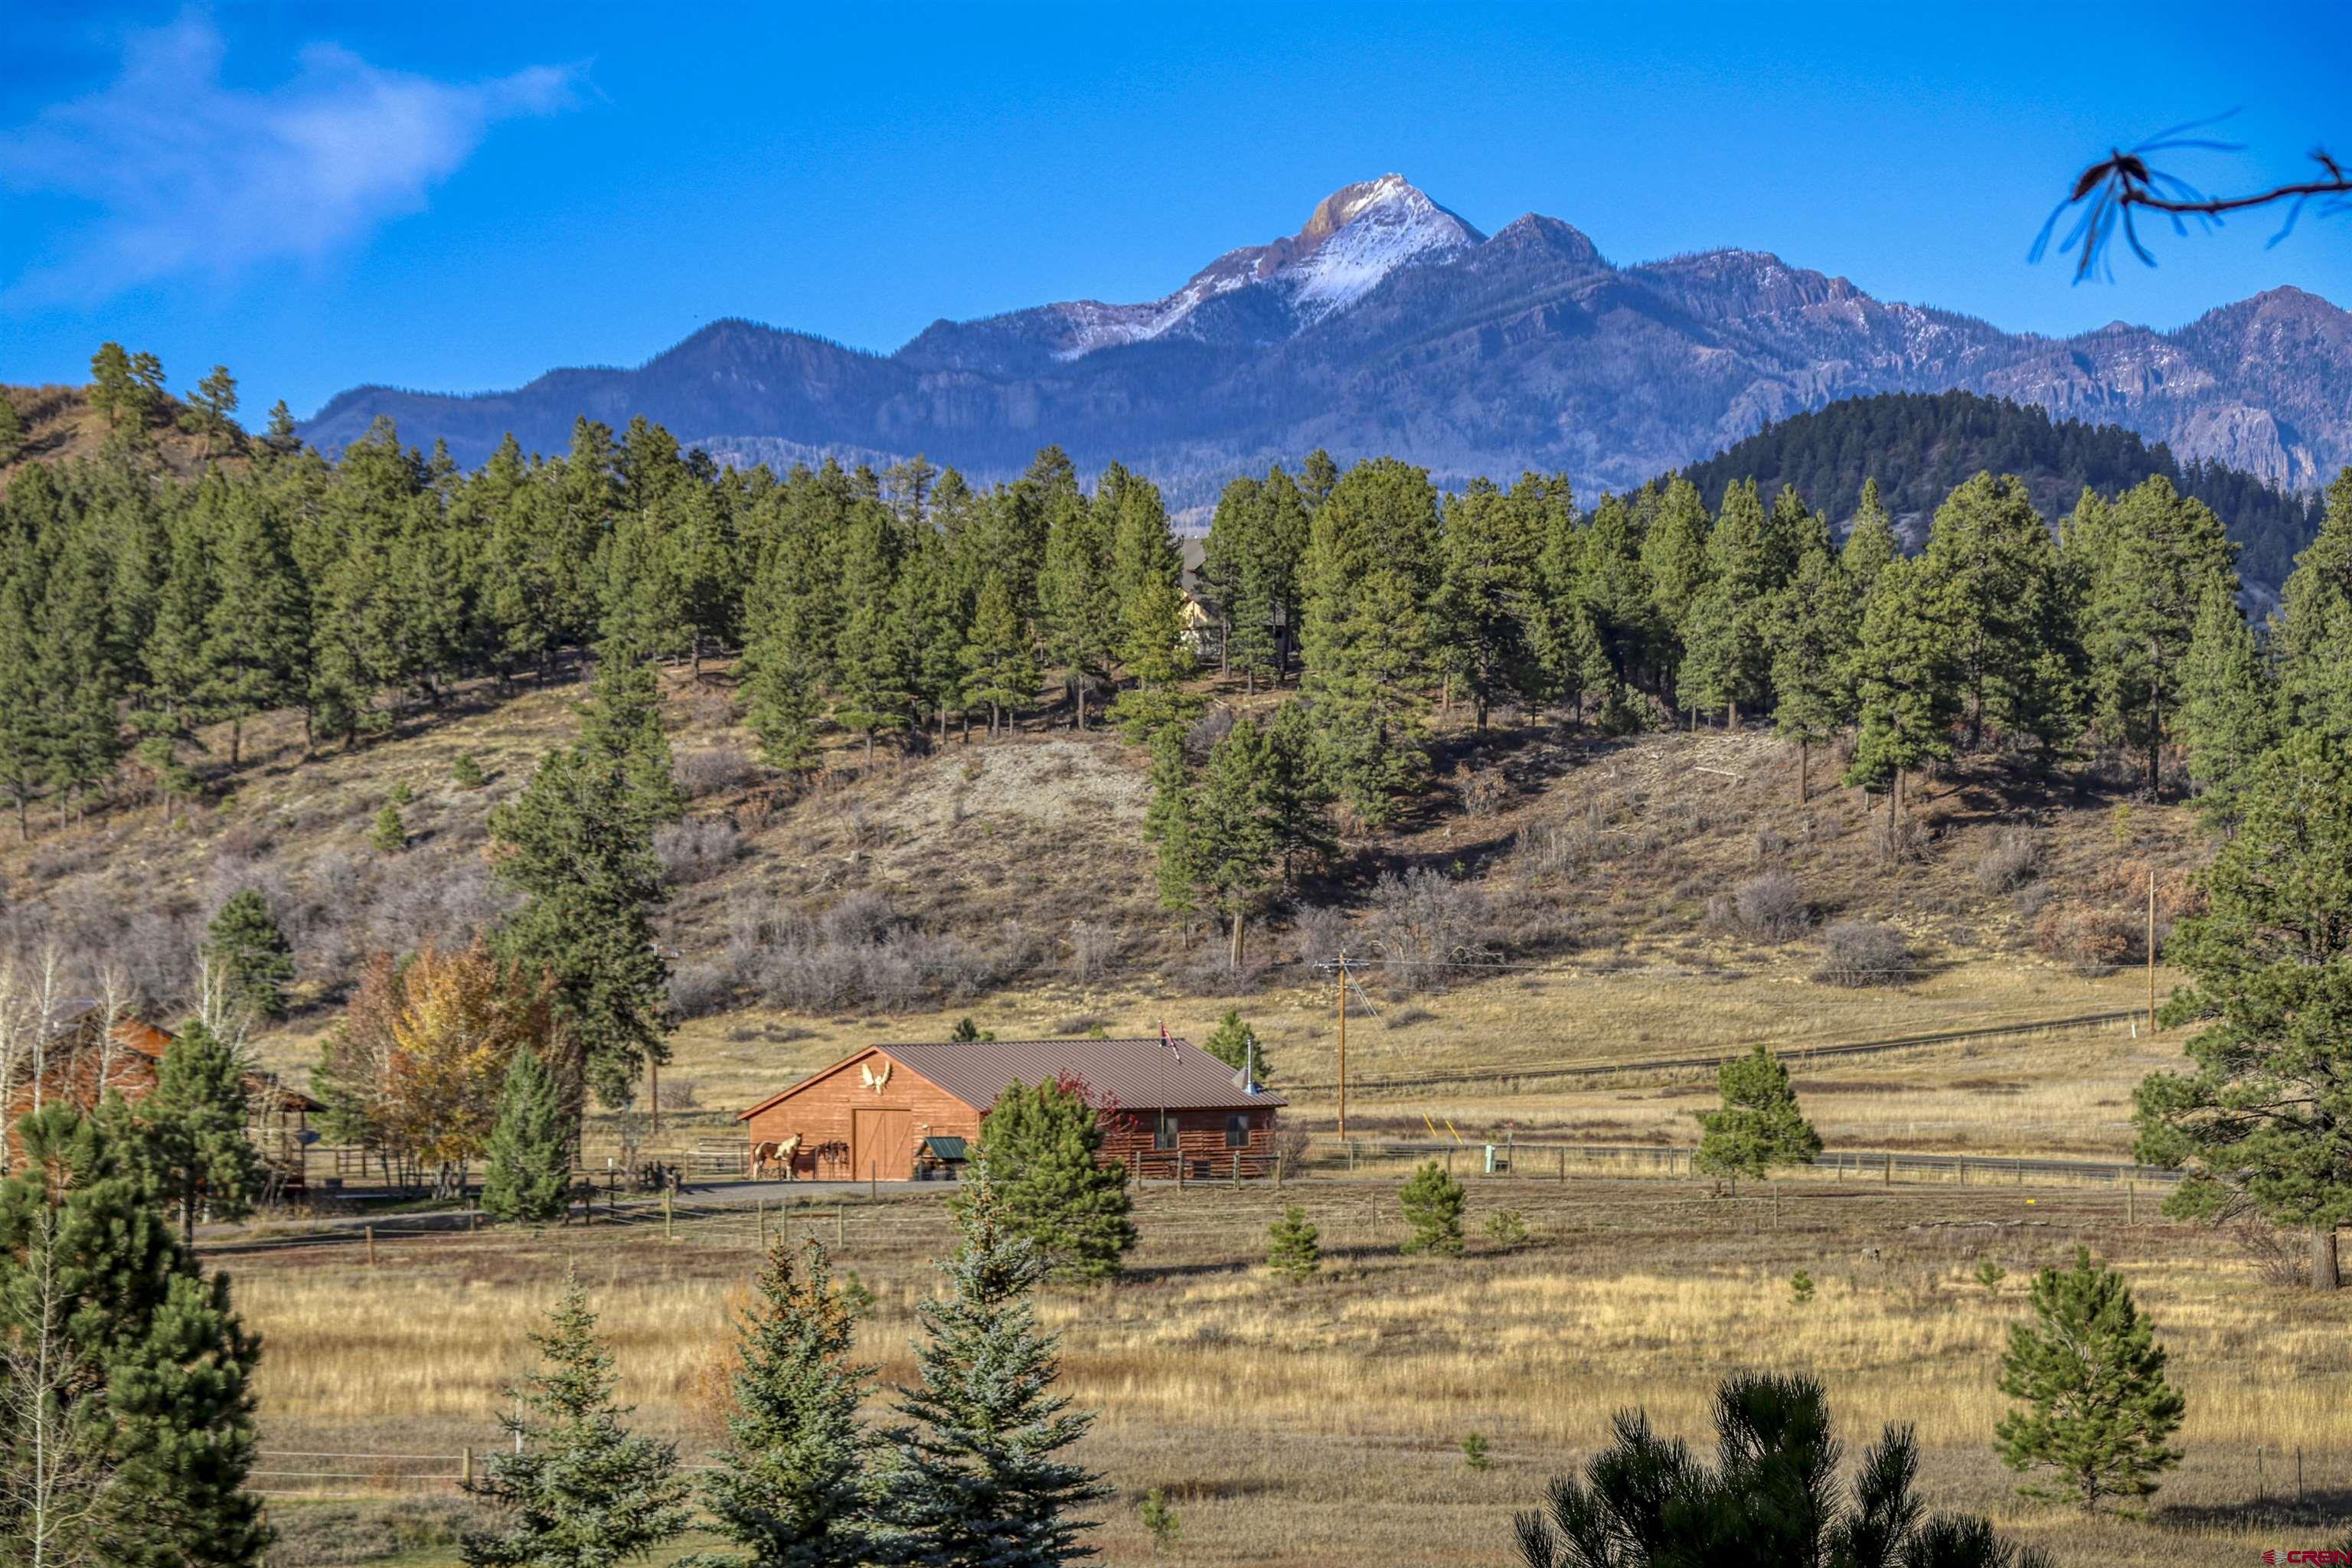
point(459, 197)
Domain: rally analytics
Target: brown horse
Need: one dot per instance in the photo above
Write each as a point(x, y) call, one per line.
point(774, 1156)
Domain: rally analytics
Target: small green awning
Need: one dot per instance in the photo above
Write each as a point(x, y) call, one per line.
point(944, 1148)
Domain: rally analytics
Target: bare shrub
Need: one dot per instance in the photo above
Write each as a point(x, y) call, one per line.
point(1094, 948)
point(2093, 940)
point(1427, 928)
point(1405, 1017)
point(1208, 970)
point(699, 990)
point(1321, 930)
point(1484, 791)
point(1768, 907)
point(1205, 731)
point(1077, 1025)
point(698, 846)
point(1771, 845)
point(2032, 899)
point(2010, 861)
point(1864, 952)
point(2279, 1261)
point(861, 953)
point(681, 1094)
point(714, 770)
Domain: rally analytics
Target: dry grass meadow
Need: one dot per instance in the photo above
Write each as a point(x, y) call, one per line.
point(1322, 1424)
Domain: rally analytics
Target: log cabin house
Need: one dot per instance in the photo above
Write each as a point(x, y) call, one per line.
point(894, 1112)
point(85, 1059)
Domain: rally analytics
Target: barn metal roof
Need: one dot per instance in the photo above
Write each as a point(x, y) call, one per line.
point(1148, 1074)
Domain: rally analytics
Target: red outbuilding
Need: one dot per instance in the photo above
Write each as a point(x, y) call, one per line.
point(894, 1112)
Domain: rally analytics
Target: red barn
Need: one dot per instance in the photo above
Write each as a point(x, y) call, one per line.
point(881, 1113)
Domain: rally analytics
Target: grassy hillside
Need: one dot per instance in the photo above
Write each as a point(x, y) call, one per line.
point(1559, 898)
point(61, 426)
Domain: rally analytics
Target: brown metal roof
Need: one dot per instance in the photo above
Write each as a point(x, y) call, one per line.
point(1148, 1074)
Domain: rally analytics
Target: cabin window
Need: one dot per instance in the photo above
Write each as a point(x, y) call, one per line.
point(1238, 1131)
point(1163, 1130)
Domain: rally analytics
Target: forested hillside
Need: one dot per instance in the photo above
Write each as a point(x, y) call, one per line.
point(1920, 446)
point(1361, 638)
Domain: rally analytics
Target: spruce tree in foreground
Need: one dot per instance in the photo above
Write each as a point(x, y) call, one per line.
point(1296, 1248)
point(190, 1133)
point(1759, 1126)
point(578, 1490)
point(979, 1478)
point(126, 1378)
point(1049, 1184)
point(251, 955)
point(2261, 1119)
point(1433, 1206)
point(1772, 1500)
point(790, 1488)
point(2097, 1408)
point(530, 1148)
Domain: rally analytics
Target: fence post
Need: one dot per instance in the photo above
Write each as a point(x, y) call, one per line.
point(1237, 1170)
point(466, 1470)
point(1890, 1170)
point(760, 1206)
point(838, 1212)
point(666, 1216)
point(1277, 1172)
point(370, 1232)
point(1563, 1166)
point(2131, 1204)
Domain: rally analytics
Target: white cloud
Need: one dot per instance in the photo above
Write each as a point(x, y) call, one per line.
point(189, 176)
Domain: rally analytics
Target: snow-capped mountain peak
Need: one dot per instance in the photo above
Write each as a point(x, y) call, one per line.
point(1356, 237)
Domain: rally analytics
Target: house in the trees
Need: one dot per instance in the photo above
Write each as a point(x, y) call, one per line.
point(892, 1112)
point(86, 1058)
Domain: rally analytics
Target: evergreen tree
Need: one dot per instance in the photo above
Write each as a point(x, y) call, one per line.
point(191, 1131)
point(2265, 1119)
point(1230, 835)
point(1812, 632)
point(1237, 1045)
point(2314, 630)
point(1905, 694)
point(790, 1488)
point(2229, 711)
point(1726, 658)
point(250, 954)
point(1759, 1126)
point(256, 629)
point(212, 409)
point(1295, 1247)
point(1168, 824)
point(978, 1477)
point(2097, 1408)
point(113, 391)
point(131, 1365)
point(12, 430)
point(1078, 596)
point(1297, 800)
point(622, 723)
point(2166, 549)
point(872, 668)
point(579, 1490)
point(1770, 1502)
point(1673, 560)
point(1485, 604)
point(578, 842)
point(1433, 1209)
point(1992, 560)
point(529, 1177)
point(1870, 544)
point(390, 835)
point(281, 440)
point(1371, 569)
point(1043, 1144)
point(1000, 657)
point(641, 590)
point(1155, 657)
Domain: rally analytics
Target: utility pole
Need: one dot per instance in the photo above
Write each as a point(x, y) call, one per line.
point(2151, 950)
point(1343, 1045)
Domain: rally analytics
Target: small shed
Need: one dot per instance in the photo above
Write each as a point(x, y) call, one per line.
point(886, 1112)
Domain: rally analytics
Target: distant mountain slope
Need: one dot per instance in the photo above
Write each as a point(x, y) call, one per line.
point(1387, 324)
point(1920, 446)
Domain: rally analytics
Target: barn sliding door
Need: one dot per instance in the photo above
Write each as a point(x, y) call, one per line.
point(883, 1145)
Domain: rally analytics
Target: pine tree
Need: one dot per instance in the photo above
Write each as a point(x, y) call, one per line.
point(1673, 560)
point(787, 706)
point(138, 1364)
point(2261, 1119)
point(622, 723)
point(978, 1475)
point(12, 430)
point(191, 1137)
point(529, 1176)
point(580, 1490)
point(1485, 604)
point(1991, 558)
point(212, 408)
point(256, 628)
point(1043, 1146)
point(2097, 1408)
point(1078, 596)
point(1168, 824)
point(390, 835)
point(1291, 787)
point(578, 842)
point(1870, 544)
point(790, 1489)
point(1294, 1247)
point(113, 392)
point(2314, 630)
point(1759, 1126)
point(1230, 835)
point(1433, 1209)
point(2166, 548)
point(1371, 569)
point(1906, 695)
point(281, 440)
point(872, 667)
point(1000, 657)
point(1725, 659)
point(250, 954)
point(1237, 1045)
point(2229, 711)
point(1813, 633)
